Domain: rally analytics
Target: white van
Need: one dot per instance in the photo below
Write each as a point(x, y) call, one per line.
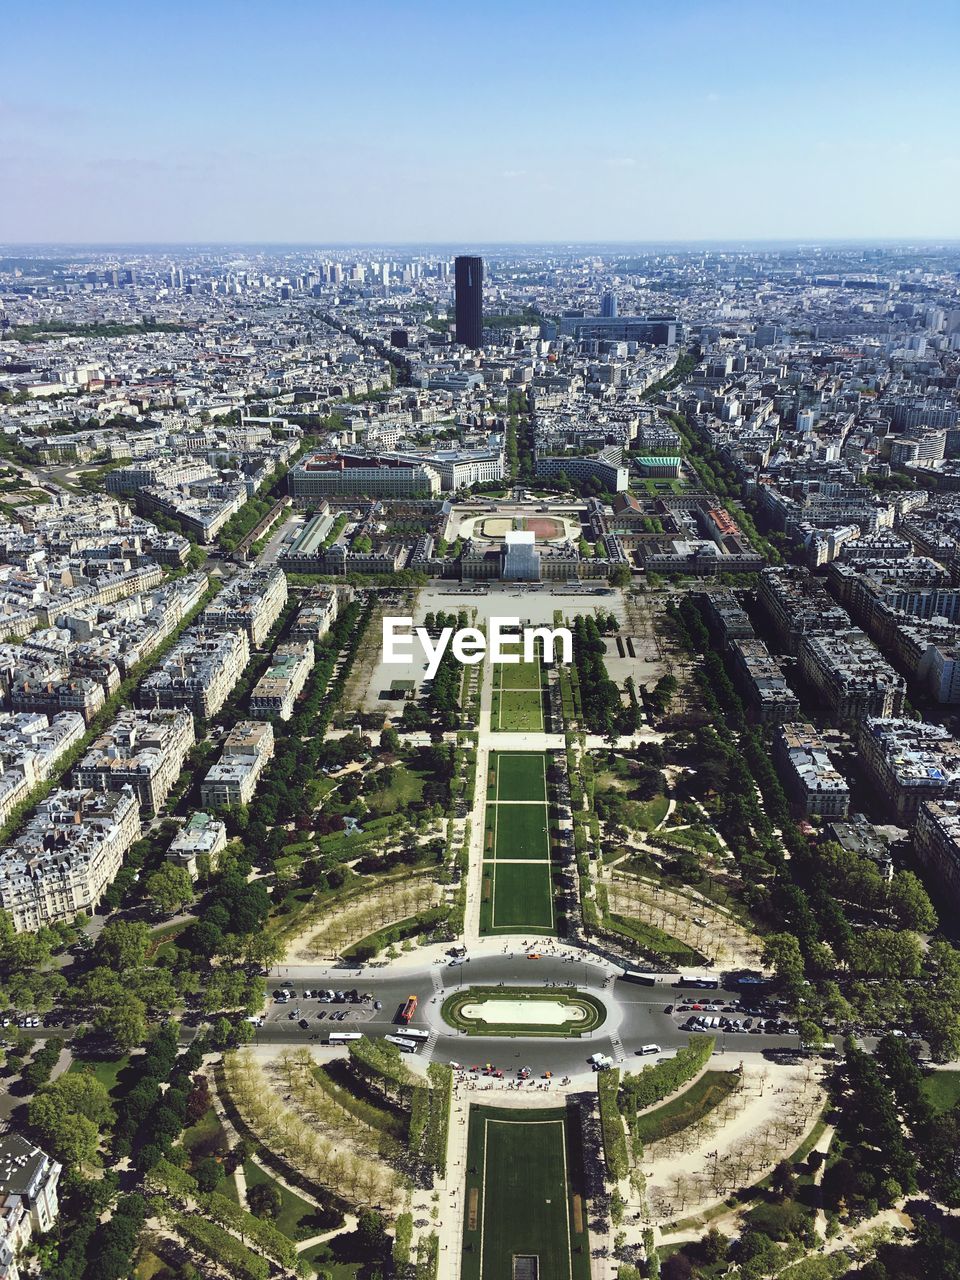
point(648, 1048)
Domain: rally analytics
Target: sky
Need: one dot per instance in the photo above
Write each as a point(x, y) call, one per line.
point(308, 121)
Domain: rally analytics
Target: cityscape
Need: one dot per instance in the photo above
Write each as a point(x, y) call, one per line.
point(480, 643)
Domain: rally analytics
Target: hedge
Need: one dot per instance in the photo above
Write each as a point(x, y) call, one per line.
point(655, 1083)
point(222, 1248)
point(262, 1233)
point(438, 1126)
point(611, 1123)
point(403, 1240)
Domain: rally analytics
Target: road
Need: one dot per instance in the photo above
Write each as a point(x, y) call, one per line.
point(635, 1013)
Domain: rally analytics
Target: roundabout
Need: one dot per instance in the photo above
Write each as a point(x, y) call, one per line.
point(523, 1011)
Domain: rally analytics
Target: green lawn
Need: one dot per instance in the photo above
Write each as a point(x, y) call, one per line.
point(298, 1219)
point(107, 1070)
point(654, 940)
point(942, 1090)
point(406, 787)
point(520, 1197)
point(687, 1107)
point(524, 675)
point(206, 1137)
point(522, 896)
point(517, 775)
point(517, 711)
point(521, 831)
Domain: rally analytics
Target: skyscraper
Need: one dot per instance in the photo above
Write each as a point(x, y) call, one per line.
point(468, 281)
point(608, 305)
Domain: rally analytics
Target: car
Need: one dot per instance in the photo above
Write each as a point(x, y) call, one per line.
point(303, 1023)
point(292, 1014)
point(321, 1015)
point(647, 1049)
point(254, 1020)
point(533, 955)
point(748, 1023)
point(457, 1066)
point(668, 1009)
point(378, 1004)
point(452, 964)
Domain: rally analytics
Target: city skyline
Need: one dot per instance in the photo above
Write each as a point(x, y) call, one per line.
point(742, 124)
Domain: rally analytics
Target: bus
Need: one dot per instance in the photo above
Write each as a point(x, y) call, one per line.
point(409, 1009)
point(710, 984)
point(416, 1033)
point(404, 1044)
point(344, 1037)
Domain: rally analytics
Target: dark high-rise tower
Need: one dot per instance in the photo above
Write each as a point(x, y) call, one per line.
point(468, 278)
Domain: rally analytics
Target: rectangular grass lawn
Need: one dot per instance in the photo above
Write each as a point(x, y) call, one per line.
point(522, 831)
point(519, 1197)
point(519, 711)
point(522, 675)
point(522, 896)
point(520, 775)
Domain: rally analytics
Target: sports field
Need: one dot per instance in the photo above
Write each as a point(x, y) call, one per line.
point(524, 1197)
point(517, 891)
point(517, 698)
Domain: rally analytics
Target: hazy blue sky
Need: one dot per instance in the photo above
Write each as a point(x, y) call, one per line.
point(622, 119)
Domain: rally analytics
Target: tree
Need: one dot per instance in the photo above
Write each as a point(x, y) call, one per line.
point(620, 576)
point(125, 1021)
point(783, 1180)
point(73, 1139)
point(910, 902)
point(209, 1173)
point(264, 1200)
point(122, 944)
point(171, 888)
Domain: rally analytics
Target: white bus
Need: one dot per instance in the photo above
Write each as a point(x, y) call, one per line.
point(415, 1033)
point(403, 1044)
point(344, 1037)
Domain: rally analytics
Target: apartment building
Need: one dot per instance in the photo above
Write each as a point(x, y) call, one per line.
point(725, 617)
point(848, 672)
point(53, 695)
point(282, 683)
point(760, 679)
point(797, 604)
point(936, 842)
point(250, 602)
point(198, 844)
point(67, 855)
point(29, 1201)
point(315, 616)
point(144, 750)
point(247, 750)
point(811, 780)
point(198, 673)
point(909, 762)
point(170, 472)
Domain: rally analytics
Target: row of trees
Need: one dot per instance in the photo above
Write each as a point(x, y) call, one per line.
point(603, 708)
